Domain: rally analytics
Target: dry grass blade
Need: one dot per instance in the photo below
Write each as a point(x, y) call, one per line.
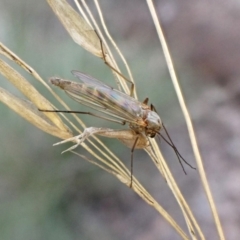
point(160, 163)
point(30, 113)
point(80, 31)
point(37, 101)
point(142, 192)
point(25, 87)
point(187, 118)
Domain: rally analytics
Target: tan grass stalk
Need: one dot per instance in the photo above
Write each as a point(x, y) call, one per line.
point(187, 118)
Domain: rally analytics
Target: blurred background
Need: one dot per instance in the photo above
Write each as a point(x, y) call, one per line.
point(46, 195)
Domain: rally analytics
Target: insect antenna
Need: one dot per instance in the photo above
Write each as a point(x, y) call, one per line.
point(170, 143)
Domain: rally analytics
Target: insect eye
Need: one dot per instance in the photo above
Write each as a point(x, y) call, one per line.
point(152, 135)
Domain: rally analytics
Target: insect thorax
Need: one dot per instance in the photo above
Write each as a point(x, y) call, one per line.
point(150, 123)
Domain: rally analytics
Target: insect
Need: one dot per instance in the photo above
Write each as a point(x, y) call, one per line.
point(115, 106)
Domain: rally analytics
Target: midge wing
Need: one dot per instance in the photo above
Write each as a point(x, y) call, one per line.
point(88, 80)
point(112, 100)
point(101, 97)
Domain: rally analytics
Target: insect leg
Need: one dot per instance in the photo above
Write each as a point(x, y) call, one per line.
point(87, 113)
point(132, 150)
point(114, 69)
